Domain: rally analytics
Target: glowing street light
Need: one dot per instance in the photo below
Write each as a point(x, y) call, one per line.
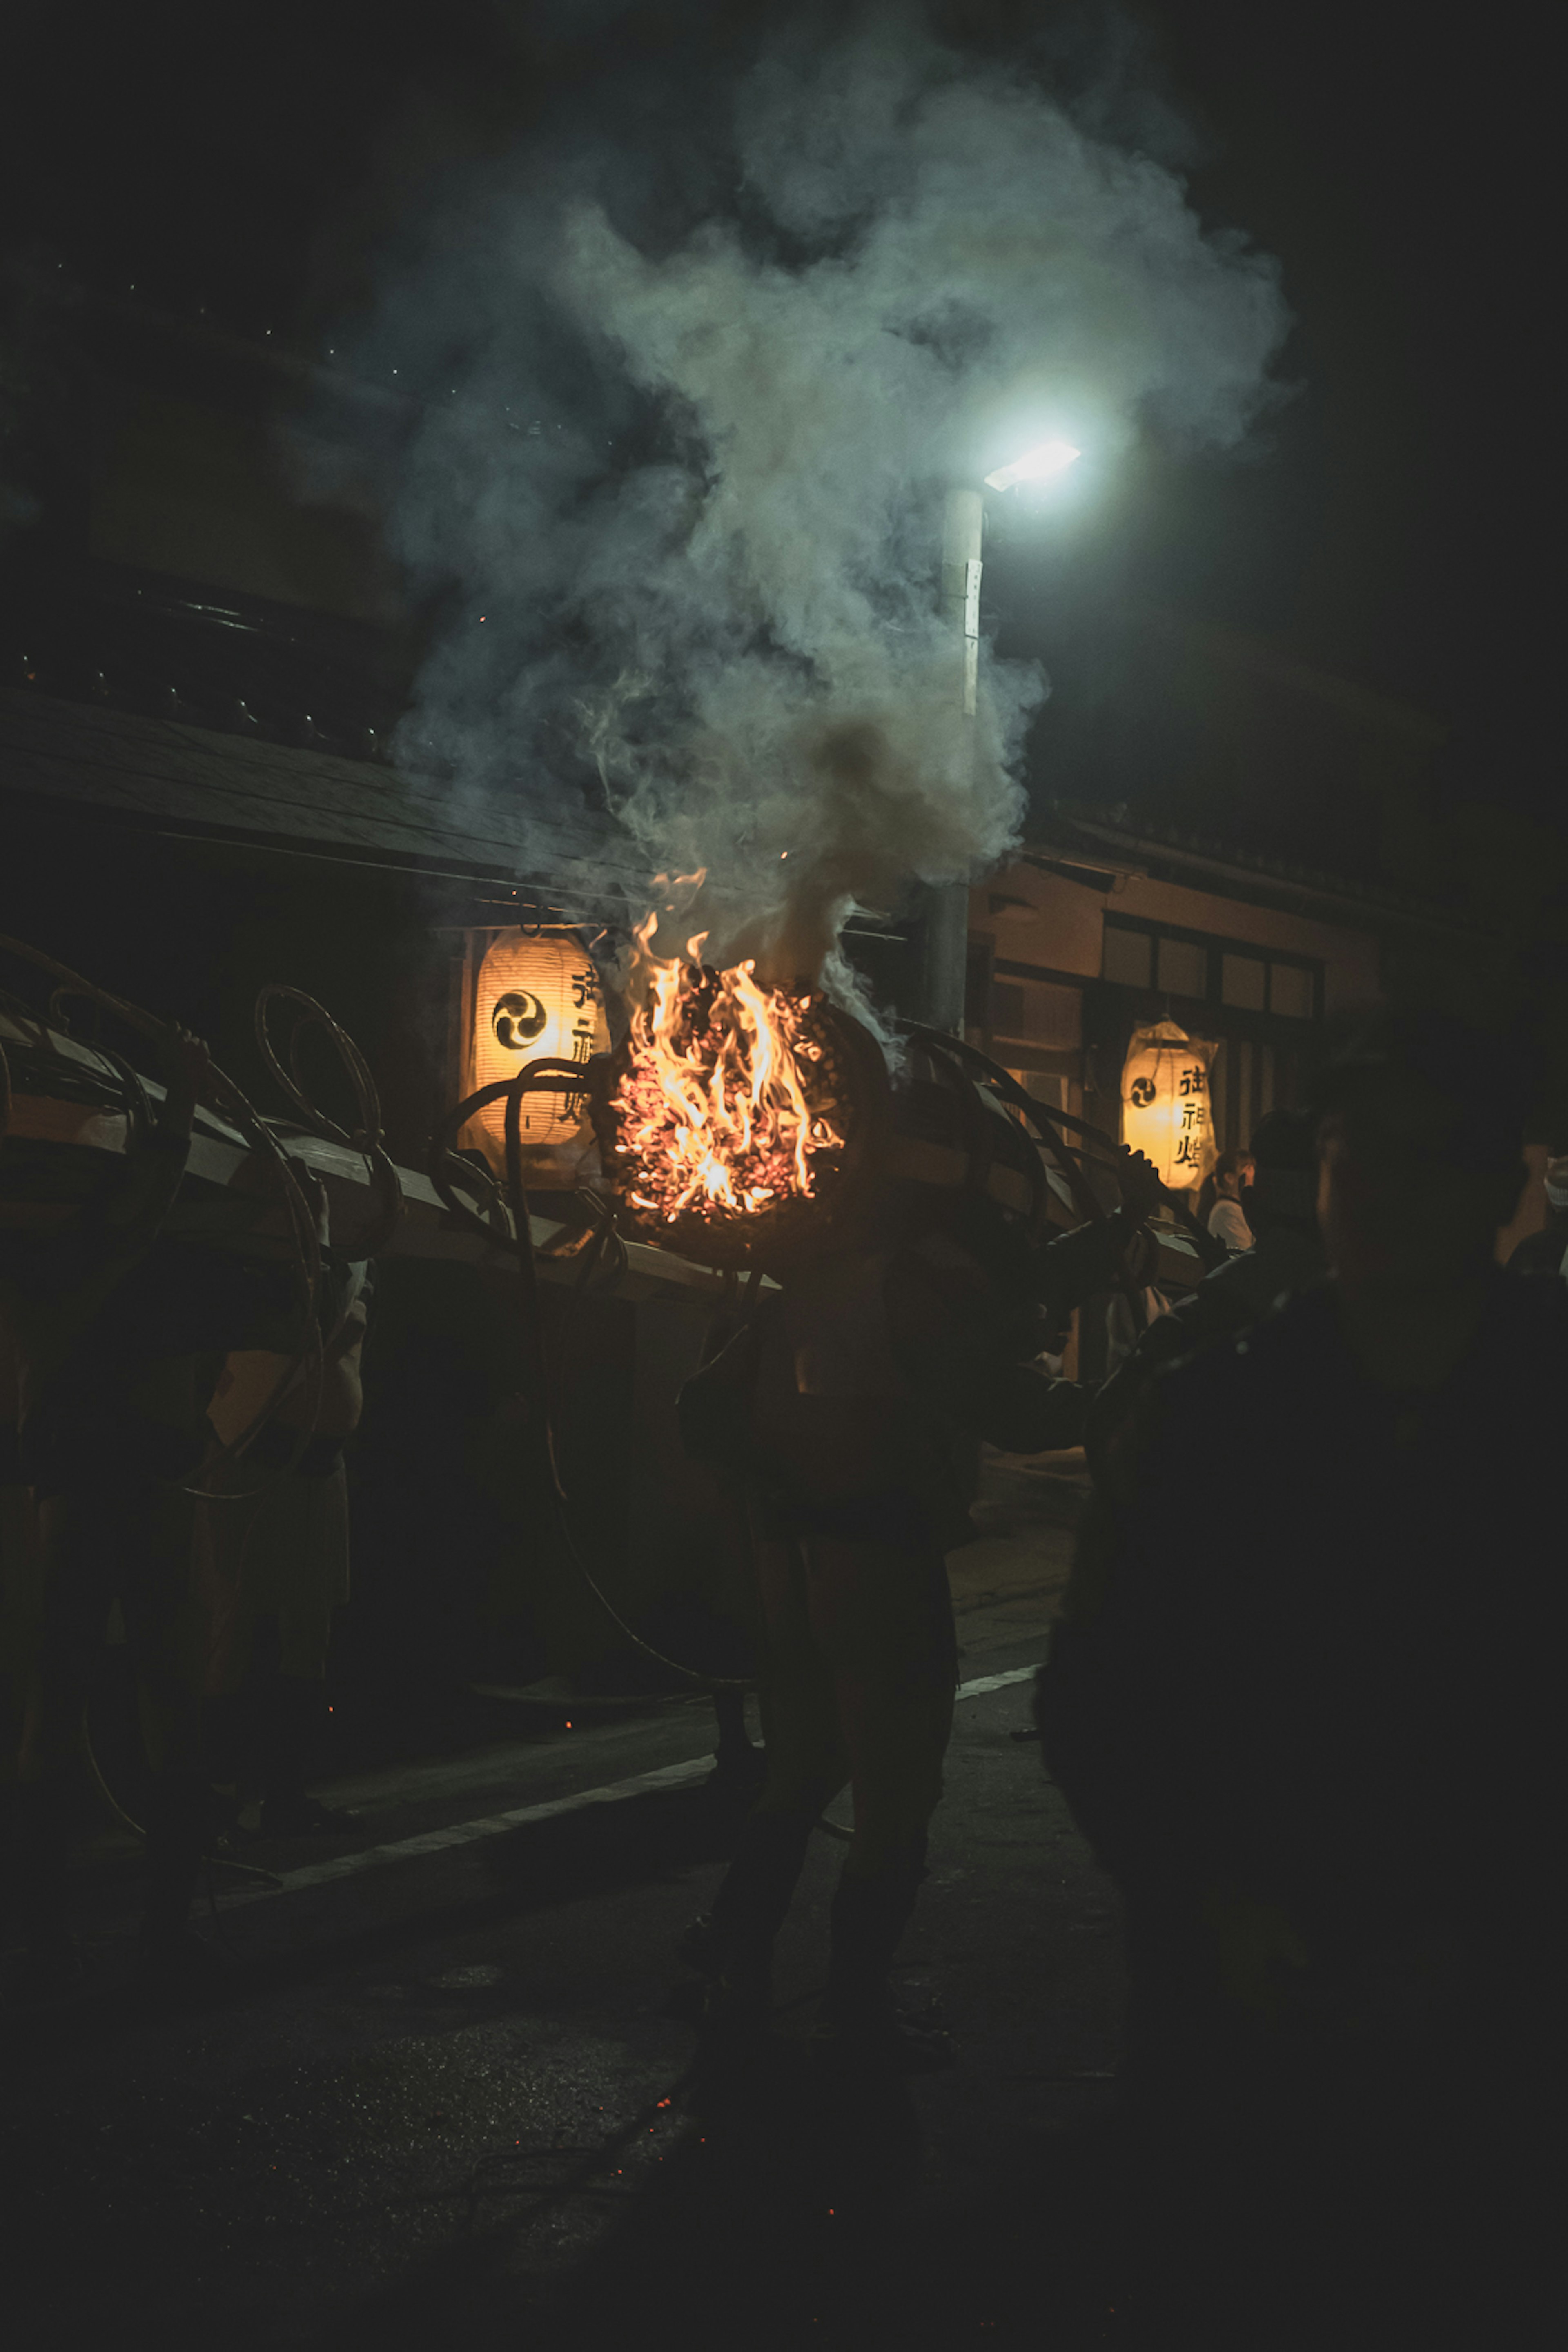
point(963, 530)
point(1038, 464)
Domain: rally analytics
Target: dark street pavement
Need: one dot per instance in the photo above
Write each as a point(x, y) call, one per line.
point(442, 2099)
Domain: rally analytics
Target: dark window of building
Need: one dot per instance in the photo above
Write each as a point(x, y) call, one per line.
point(1128, 956)
point(1249, 1077)
point(1183, 963)
point(1184, 967)
point(1290, 990)
point(1006, 1008)
point(1244, 983)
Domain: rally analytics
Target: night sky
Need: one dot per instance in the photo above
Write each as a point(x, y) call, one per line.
point(255, 161)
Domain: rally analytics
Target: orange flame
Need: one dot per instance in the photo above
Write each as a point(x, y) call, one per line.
point(715, 1114)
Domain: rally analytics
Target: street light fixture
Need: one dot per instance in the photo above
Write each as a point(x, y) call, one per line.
point(963, 527)
point(1038, 464)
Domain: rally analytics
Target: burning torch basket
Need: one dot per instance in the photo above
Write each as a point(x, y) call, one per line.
point(850, 1080)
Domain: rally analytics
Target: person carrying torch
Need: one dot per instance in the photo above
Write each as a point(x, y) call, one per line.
point(848, 1405)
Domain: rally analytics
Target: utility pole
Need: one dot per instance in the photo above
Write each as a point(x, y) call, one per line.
point(945, 911)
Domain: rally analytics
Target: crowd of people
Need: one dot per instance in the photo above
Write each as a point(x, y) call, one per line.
point(1310, 1727)
point(1300, 1698)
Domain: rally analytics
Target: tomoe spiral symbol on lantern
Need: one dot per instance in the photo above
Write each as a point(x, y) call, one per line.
point(518, 1019)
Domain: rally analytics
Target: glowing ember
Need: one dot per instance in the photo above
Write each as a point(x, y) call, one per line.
point(725, 1108)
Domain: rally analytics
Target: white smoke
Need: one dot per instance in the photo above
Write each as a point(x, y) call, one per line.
point(742, 632)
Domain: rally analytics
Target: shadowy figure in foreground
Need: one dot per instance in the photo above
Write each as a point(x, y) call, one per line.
point(1304, 1714)
point(107, 1428)
point(272, 1550)
point(844, 1409)
point(1278, 1201)
point(1546, 1250)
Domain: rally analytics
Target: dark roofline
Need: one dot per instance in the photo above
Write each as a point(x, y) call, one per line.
point(178, 781)
point(1239, 873)
point(1257, 656)
point(534, 883)
point(280, 358)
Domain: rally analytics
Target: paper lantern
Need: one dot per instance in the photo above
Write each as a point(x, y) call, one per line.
point(538, 998)
point(1165, 1108)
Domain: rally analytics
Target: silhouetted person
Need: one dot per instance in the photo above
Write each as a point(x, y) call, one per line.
point(108, 1426)
point(1226, 1217)
point(1280, 1200)
point(274, 1548)
point(846, 1406)
point(1546, 1252)
point(1306, 1711)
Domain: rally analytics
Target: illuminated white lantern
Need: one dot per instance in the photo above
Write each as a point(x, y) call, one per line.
point(1165, 1108)
point(538, 998)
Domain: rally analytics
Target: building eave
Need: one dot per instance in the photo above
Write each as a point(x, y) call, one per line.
point(64, 761)
point(1139, 850)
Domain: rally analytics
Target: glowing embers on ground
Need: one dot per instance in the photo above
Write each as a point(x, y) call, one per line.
point(730, 1105)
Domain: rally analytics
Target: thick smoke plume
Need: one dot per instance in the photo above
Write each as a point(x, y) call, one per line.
point(693, 481)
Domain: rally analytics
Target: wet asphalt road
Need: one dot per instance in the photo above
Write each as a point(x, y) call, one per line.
point(442, 2099)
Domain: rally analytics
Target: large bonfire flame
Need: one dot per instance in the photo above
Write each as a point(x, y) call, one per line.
point(725, 1109)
